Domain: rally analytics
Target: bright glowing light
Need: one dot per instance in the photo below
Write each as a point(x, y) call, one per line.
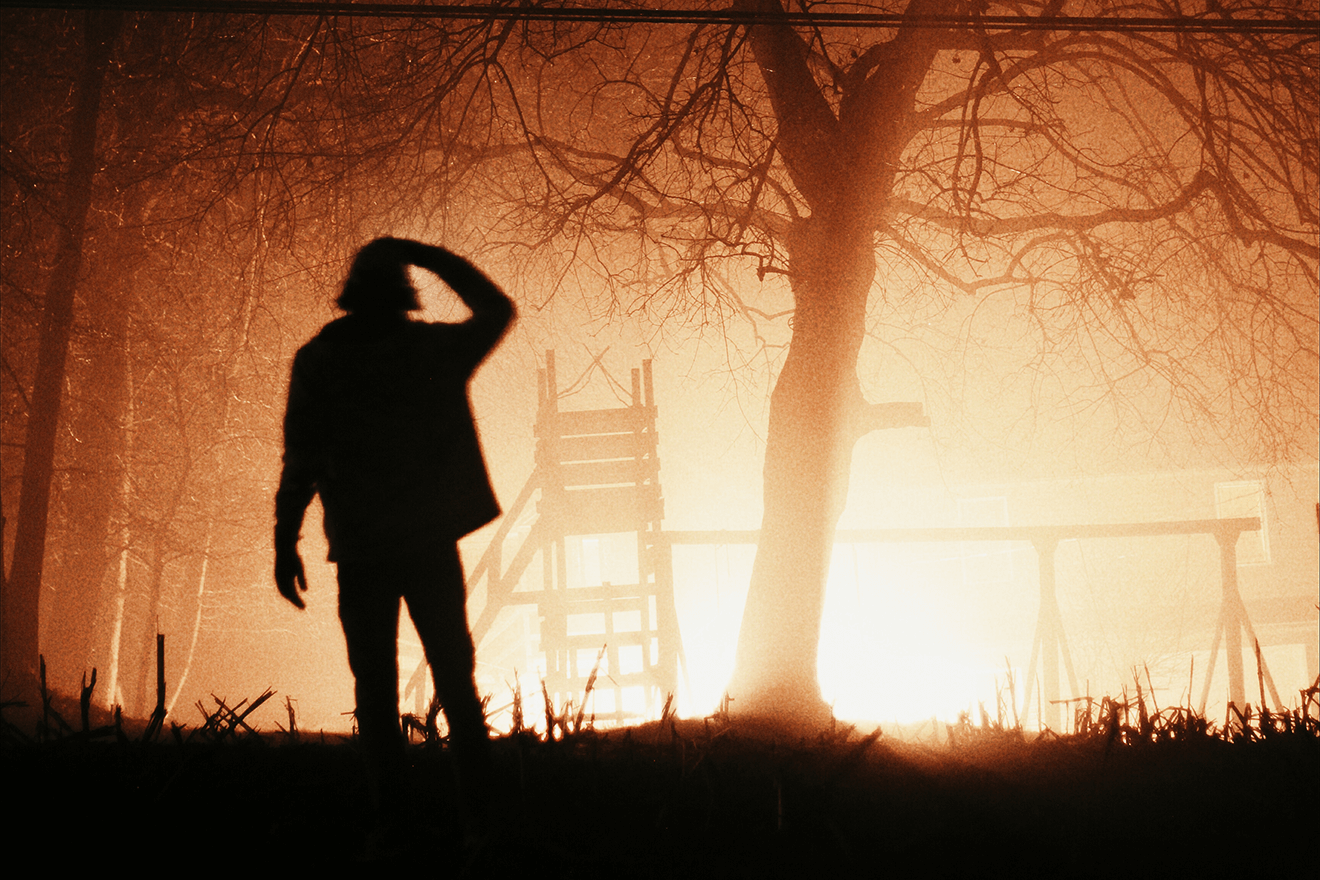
point(890, 642)
point(887, 650)
point(710, 589)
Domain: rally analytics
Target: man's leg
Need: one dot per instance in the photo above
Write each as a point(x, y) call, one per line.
point(437, 603)
point(369, 612)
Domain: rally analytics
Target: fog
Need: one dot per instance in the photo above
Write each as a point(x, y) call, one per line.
point(1154, 365)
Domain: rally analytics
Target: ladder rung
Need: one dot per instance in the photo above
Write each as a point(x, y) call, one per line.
point(593, 641)
point(595, 447)
point(601, 511)
point(600, 473)
point(614, 592)
point(626, 419)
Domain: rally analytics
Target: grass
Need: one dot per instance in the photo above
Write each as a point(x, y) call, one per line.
point(1137, 787)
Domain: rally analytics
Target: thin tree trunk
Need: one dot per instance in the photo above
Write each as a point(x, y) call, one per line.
point(21, 602)
point(151, 627)
point(197, 622)
point(125, 539)
point(117, 620)
point(146, 698)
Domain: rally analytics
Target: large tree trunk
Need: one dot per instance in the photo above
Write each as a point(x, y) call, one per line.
point(22, 589)
point(842, 162)
point(812, 431)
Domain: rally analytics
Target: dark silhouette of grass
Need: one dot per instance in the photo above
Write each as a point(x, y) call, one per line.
point(1136, 789)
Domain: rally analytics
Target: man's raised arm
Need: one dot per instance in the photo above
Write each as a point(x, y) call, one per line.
point(492, 310)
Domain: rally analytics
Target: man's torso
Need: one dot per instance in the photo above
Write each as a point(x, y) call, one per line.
point(398, 460)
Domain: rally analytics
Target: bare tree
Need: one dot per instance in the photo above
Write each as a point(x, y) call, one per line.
point(19, 624)
point(1146, 198)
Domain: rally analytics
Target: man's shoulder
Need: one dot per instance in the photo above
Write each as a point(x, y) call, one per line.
point(335, 330)
point(350, 330)
point(347, 340)
point(350, 326)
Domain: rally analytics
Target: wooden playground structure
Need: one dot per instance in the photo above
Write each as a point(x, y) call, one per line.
point(597, 473)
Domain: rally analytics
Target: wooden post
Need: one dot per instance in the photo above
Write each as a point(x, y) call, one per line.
point(551, 385)
point(1048, 628)
point(1231, 616)
point(1050, 641)
point(160, 675)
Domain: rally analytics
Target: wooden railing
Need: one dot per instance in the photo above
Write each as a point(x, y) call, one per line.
point(1050, 643)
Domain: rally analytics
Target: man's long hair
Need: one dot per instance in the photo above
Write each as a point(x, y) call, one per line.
point(378, 280)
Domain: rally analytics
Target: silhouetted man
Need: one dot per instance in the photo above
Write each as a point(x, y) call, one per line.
point(378, 423)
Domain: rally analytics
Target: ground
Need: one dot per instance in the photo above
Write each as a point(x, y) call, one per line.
point(705, 798)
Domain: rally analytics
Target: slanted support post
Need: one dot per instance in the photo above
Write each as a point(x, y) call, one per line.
point(1233, 622)
point(1237, 690)
point(1230, 621)
point(1050, 641)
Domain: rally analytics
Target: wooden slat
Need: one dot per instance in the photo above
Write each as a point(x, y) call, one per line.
point(599, 447)
point(602, 473)
point(614, 640)
point(626, 419)
point(601, 511)
point(615, 597)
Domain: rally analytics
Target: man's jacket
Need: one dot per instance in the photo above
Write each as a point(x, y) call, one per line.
point(379, 423)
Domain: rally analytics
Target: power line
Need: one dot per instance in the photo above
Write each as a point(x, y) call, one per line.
point(605, 15)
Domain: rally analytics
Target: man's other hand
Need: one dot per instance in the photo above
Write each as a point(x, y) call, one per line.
point(290, 578)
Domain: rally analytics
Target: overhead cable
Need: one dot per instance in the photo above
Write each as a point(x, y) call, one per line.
point(1209, 23)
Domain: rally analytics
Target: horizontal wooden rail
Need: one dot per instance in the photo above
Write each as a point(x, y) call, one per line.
point(990, 533)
